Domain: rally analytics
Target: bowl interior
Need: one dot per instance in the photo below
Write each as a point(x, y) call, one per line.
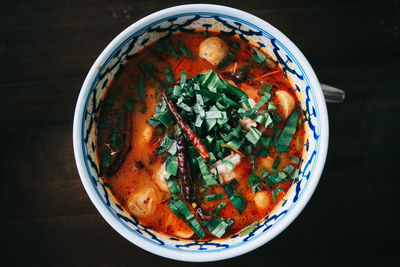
point(144, 33)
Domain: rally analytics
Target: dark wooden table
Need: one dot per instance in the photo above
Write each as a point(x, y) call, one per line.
point(46, 50)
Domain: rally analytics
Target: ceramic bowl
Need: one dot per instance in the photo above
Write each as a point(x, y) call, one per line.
point(188, 18)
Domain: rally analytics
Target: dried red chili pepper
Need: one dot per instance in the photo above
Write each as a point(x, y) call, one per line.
point(193, 138)
point(203, 214)
point(184, 170)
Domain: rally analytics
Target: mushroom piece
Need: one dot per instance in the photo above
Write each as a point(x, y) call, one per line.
point(285, 102)
point(143, 202)
point(213, 49)
point(262, 199)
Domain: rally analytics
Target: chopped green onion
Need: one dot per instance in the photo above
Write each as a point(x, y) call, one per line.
point(265, 141)
point(264, 153)
point(275, 165)
point(264, 88)
point(270, 63)
point(226, 60)
point(208, 178)
point(181, 210)
point(253, 135)
point(165, 145)
point(276, 178)
point(213, 197)
point(271, 106)
point(249, 229)
point(233, 144)
point(242, 72)
point(287, 133)
point(258, 56)
point(255, 182)
point(171, 165)
point(295, 160)
point(183, 79)
point(173, 184)
point(169, 77)
point(170, 49)
point(185, 50)
point(276, 191)
point(264, 100)
point(268, 120)
point(289, 169)
point(237, 201)
point(165, 117)
point(218, 208)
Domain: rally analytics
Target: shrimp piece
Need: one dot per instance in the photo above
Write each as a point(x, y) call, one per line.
point(262, 199)
point(224, 172)
point(285, 102)
point(159, 178)
point(143, 202)
point(213, 49)
point(246, 123)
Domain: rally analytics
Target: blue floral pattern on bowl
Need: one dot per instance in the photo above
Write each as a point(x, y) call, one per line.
point(189, 22)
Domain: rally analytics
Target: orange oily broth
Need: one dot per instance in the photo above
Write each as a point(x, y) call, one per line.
point(141, 164)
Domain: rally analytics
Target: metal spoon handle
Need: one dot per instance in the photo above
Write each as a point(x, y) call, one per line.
point(332, 94)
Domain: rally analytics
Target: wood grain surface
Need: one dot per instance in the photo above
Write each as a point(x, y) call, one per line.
point(46, 50)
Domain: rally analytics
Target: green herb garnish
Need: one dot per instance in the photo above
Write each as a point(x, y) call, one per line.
point(218, 227)
point(237, 201)
point(182, 211)
point(287, 133)
point(213, 197)
point(171, 165)
point(255, 182)
point(276, 191)
point(173, 185)
point(169, 77)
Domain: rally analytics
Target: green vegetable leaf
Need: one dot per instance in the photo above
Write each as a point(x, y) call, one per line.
point(287, 133)
point(181, 210)
point(275, 165)
point(213, 197)
point(169, 77)
point(255, 182)
point(165, 145)
point(237, 201)
point(173, 184)
point(276, 191)
point(208, 178)
point(218, 208)
point(171, 165)
point(253, 135)
point(258, 56)
point(142, 88)
point(249, 229)
point(217, 227)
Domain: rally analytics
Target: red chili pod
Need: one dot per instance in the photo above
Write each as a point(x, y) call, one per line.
point(193, 138)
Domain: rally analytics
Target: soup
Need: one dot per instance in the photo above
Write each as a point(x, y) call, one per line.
point(200, 136)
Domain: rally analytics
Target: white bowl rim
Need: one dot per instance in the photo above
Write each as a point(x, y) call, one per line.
point(189, 255)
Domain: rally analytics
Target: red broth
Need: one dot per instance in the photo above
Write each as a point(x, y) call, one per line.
point(132, 167)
